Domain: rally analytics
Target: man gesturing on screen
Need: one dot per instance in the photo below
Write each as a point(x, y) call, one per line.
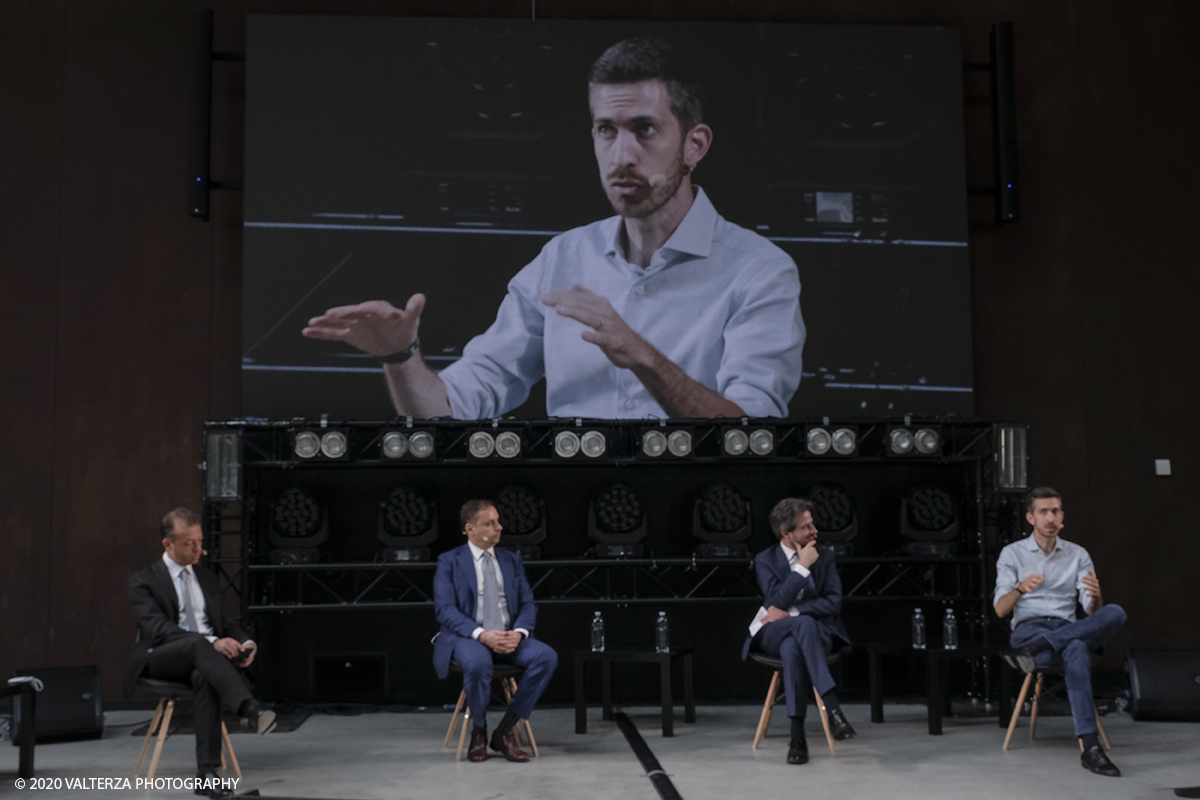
point(666, 309)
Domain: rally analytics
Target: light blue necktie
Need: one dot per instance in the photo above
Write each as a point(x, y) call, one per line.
point(493, 618)
point(190, 623)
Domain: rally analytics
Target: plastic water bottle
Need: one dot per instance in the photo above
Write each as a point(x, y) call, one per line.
point(950, 631)
point(598, 634)
point(918, 630)
point(662, 636)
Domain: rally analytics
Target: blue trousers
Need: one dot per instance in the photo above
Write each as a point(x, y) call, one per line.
point(801, 644)
point(1071, 646)
point(538, 659)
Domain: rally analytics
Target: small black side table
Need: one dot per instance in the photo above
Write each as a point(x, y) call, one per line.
point(936, 661)
point(637, 656)
point(24, 694)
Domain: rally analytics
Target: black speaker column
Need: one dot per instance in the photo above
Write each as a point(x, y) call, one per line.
point(201, 113)
point(1004, 123)
point(1164, 684)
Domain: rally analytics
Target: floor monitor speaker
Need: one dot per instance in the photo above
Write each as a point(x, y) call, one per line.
point(1164, 684)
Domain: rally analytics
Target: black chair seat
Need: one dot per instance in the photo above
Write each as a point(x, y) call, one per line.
point(775, 663)
point(160, 688)
point(498, 670)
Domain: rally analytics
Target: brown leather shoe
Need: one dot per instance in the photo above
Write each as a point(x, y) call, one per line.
point(507, 746)
point(477, 750)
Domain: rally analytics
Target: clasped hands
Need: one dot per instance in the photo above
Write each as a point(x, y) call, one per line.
point(1090, 582)
point(241, 654)
point(501, 641)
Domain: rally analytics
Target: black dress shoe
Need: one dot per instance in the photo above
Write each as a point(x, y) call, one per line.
point(1095, 760)
point(216, 789)
point(258, 717)
point(1026, 655)
point(798, 751)
point(839, 726)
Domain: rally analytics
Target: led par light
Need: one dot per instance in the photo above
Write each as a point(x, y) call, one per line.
point(721, 521)
point(331, 444)
point(297, 525)
point(595, 444)
point(306, 444)
point(617, 522)
point(508, 444)
point(393, 444)
point(679, 443)
point(523, 517)
point(334, 444)
point(481, 444)
point(900, 442)
point(420, 444)
point(818, 441)
point(734, 442)
point(928, 441)
point(406, 525)
point(826, 440)
point(845, 441)
point(654, 443)
point(762, 441)
point(566, 444)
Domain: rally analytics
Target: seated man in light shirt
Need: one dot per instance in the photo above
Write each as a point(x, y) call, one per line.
point(800, 621)
point(665, 310)
point(1039, 580)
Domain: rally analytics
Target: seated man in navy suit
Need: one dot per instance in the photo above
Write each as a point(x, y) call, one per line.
point(801, 623)
point(486, 610)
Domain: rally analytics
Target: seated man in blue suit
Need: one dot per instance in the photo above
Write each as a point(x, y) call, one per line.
point(486, 610)
point(802, 623)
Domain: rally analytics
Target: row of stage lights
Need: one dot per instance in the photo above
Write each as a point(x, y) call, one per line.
point(655, 442)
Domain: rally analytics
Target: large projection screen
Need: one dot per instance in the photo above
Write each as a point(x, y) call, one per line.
point(387, 156)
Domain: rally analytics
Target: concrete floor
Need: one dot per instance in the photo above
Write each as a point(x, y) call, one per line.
point(386, 755)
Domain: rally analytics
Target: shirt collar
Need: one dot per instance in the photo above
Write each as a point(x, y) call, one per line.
point(693, 236)
point(476, 552)
point(788, 553)
point(1031, 544)
point(173, 568)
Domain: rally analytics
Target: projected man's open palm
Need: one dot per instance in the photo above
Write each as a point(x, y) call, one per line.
point(376, 327)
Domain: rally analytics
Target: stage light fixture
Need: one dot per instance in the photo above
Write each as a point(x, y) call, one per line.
point(566, 444)
point(818, 441)
point(654, 443)
point(927, 441)
point(1012, 458)
point(420, 444)
point(845, 441)
point(900, 441)
point(595, 444)
point(834, 517)
point(481, 444)
point(735, 442)
point(523, 517)
point(223, 466)
point(297, 526)
point(762, 442)
point(406, 524)
point(929, 518)
point(508, 444)
point(679, 443)
point(721, 521)
point(334, 444)
point(394, 444)
point(617, 522)
point(306, 444)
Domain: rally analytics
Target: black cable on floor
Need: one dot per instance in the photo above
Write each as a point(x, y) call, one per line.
point(654, 770)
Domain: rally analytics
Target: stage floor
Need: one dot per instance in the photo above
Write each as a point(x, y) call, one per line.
point(386, 755)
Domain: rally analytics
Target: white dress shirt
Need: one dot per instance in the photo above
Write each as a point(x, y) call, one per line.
point(176, 571)
point(477, 558)
point(1056, 595)
point(721, 302)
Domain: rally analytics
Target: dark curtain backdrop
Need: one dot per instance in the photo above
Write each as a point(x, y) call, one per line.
point(119, 314)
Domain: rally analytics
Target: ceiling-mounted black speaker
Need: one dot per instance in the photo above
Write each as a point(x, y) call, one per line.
point(1004, 123)
point(200, 118)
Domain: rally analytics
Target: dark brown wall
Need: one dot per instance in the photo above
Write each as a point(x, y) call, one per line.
point(118, 313)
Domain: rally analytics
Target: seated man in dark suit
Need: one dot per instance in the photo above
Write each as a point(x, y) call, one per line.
point(801, 622)
point(184, 636)
point(486, 610)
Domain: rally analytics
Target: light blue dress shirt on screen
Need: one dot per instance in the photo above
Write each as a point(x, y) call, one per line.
point(1057, 594)
point(719, 301)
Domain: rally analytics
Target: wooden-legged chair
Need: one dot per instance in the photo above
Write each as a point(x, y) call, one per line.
point(168, 694)
point(507, 674)
point(1040, 674)
point(776, 694)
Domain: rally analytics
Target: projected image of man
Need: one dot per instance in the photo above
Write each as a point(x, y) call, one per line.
point(666, 309)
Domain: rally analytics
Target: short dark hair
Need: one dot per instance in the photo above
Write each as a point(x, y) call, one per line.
point(783, 515)
point(471, 511)
point(648, 58)
point(1040, 493)
point(176, 518)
